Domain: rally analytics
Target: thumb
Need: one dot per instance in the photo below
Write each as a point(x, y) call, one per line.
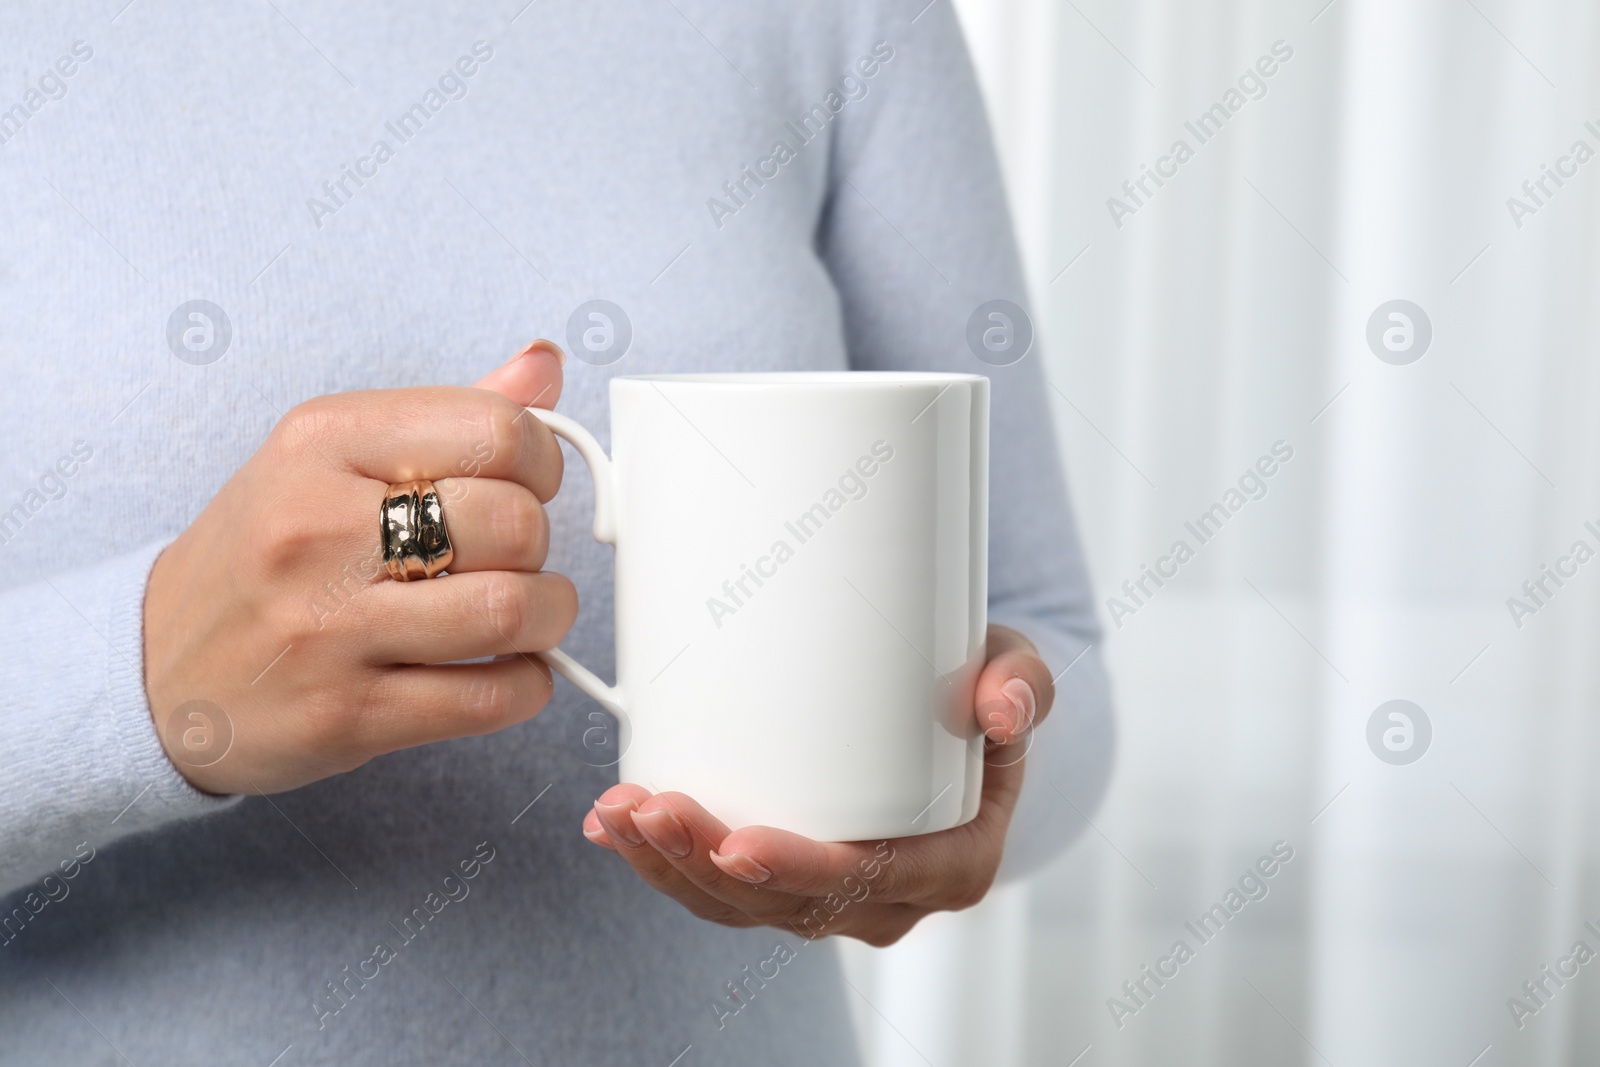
point(1014, 690)
point(531, 378)
point(1013, 695)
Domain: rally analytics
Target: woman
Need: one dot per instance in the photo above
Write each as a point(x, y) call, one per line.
point(236, 215)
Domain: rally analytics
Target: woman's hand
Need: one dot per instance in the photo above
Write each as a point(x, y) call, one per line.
point(874, 891)
point(278, 651)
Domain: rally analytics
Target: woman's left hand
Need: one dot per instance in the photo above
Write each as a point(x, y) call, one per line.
point(873, 891)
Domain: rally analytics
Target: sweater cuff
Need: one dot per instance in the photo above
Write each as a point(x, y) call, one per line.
point(166, 794)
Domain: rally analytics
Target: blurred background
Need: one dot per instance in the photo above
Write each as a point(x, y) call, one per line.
point(1347, 264)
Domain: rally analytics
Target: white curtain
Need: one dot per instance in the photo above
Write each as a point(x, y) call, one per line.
point(1383, 159)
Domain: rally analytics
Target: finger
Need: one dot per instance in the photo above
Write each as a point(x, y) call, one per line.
point(949, 869)
point(413, 706)
point(952, 868)
point(615, 809)
point(595, 832)
point(1014, 690)
point(529, 382)
point(808, 917)
point(464, 616)
point(808, 868)
point(493, 525)
point(397, 435)
point(687, 836)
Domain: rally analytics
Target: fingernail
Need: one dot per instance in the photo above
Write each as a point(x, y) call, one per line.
point(614, 817)
point(541, 345)
point(598, 837)
point(663, 829)
point(1020, 694)
point(741, 867)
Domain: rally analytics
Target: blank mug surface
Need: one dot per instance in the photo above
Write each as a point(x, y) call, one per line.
point(801, 595)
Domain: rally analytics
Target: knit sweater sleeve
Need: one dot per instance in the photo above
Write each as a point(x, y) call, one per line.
point(83, 763)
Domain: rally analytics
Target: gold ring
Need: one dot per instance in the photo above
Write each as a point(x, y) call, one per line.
point(415, 541)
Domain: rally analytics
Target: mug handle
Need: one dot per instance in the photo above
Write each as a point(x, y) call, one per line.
point(605, 531)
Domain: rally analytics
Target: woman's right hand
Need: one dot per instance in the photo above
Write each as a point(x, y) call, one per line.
point(273, 636)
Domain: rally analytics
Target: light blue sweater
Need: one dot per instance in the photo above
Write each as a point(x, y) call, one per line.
point(384, 195)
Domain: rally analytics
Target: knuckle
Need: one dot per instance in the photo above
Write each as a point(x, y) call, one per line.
point(524, 527)
point(487, 703)
point(549, 463)
point(472, 462)
point(503, 429)
point(308, 426)
point(505, 605)
point(563, 604)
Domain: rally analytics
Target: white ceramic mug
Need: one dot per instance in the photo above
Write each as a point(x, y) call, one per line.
point(801, 594)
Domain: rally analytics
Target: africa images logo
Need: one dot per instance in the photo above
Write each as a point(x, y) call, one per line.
point(1138, 191)
point(852, 485)
point(813, 123)
point(199, 332)
point(451, 86)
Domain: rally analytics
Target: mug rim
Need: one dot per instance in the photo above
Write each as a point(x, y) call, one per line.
point(805, 378)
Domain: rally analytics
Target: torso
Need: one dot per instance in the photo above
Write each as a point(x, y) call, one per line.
point(577, 166)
